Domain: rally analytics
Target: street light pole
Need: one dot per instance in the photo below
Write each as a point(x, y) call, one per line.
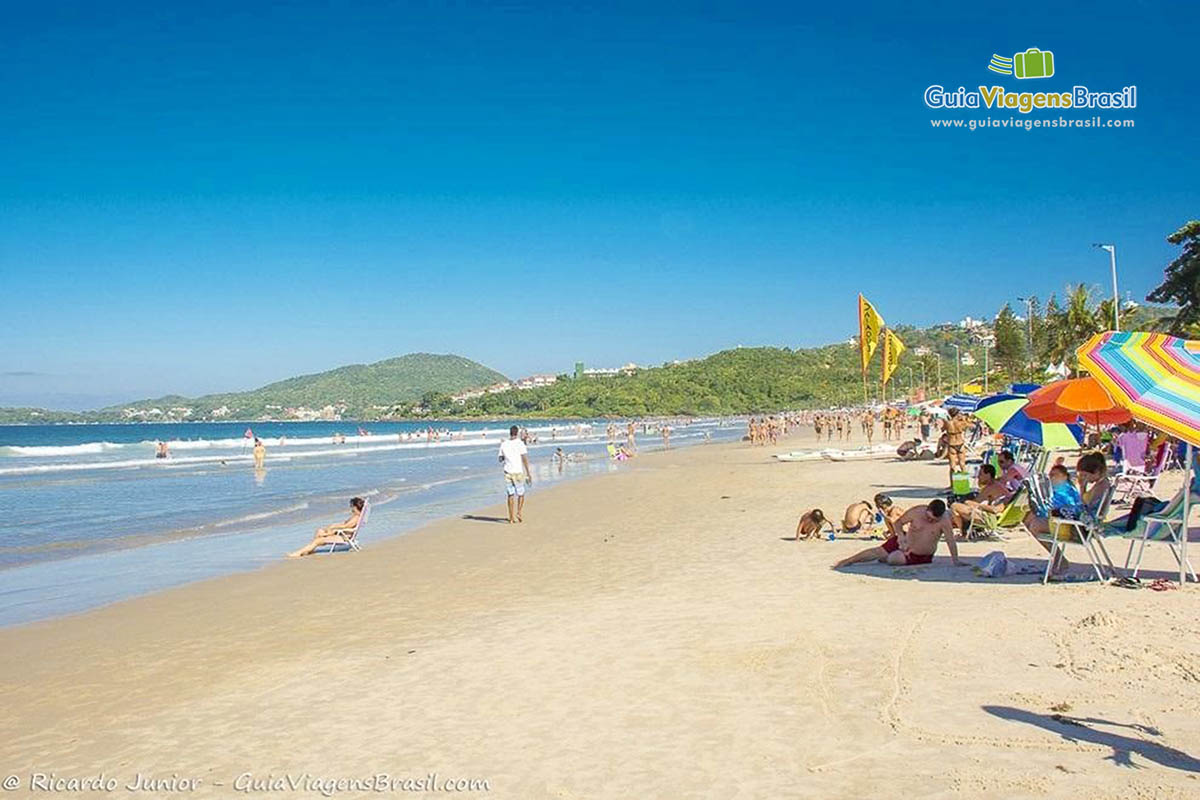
point(1028, 301)
point(957, 369)
point(938, 356)
point(985, 366)
point(1112, 256)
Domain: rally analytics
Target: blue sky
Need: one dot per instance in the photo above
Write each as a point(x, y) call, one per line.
point(209, 198)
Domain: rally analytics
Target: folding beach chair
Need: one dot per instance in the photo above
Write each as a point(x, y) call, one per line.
point(991, 524)
point(351, 536)
point(1135, 481)
point(1088, 532)
point(1166, 525)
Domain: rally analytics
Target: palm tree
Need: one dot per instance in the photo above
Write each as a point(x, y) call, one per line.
point(1073, 325)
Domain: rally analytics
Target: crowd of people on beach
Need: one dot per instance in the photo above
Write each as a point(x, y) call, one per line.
point(911, 537)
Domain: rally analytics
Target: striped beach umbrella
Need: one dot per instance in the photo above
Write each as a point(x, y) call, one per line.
point(963, 402)
point(1005, 413)
point(1157, 377)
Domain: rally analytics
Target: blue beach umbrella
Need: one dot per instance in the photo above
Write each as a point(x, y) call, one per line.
point(1005, 413)
point(963, 402)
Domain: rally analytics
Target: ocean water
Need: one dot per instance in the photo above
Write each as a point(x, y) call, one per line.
point(89, 516)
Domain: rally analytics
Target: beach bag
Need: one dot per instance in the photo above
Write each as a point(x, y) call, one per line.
point(993, 565)
point(960, 484)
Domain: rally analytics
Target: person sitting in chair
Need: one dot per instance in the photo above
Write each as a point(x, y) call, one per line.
point(993, 496)
point(334, 534)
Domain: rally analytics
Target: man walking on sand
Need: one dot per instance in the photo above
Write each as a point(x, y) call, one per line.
point(515, 458)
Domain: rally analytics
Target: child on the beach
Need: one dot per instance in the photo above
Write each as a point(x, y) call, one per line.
point(1065, 500)
point(811, 523)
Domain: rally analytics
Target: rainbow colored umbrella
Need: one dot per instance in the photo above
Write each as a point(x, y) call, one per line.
point(1157, 377)
point(1005, 413)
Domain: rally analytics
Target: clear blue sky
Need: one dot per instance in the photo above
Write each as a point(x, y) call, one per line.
point(211, 197)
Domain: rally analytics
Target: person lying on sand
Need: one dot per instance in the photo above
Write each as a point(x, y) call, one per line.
point(333, 534)
point(915, 539)
point(811, 523)
point(992, 496)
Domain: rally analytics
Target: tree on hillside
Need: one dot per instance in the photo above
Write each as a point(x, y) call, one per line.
point(1045, 333)
point(1010, 343)
point(1071, 326)
point(1104, 315)
point(1181, 282)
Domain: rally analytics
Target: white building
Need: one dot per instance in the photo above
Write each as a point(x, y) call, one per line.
point(534, 381)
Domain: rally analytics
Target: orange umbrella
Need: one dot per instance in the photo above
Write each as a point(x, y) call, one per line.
point(1077, 399)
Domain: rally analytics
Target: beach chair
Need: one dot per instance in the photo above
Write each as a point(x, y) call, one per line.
point(1166, 525)
point(1088, 532)
point(351, 537)
point(1037, 488)
point(991, 524)
point(1135, 481)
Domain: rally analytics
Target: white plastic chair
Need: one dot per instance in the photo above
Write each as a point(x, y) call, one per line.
point(351, 536)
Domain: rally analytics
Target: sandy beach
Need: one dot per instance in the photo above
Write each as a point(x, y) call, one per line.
point(651, 633)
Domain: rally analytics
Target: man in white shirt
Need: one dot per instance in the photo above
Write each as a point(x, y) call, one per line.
point(515, 458)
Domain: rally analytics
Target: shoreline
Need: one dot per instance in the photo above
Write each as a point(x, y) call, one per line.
point(656, 633)
point(202, 551)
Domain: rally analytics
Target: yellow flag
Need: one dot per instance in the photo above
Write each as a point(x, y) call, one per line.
point(892, 348)
point(869, 325)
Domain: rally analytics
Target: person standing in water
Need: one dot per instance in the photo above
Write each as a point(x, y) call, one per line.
point(260, 453)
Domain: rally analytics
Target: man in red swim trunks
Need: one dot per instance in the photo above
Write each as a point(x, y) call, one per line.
point(915, 539)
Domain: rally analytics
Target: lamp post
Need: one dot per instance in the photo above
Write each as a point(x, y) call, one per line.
point(986, 346)
point(938, 356)
point(1028, 301)
point(1112, 256)
point(957, 369)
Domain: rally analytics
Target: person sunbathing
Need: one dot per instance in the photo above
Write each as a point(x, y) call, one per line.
point(333, 534)
point(992, 497)
point(915, 539)
point(811, 523)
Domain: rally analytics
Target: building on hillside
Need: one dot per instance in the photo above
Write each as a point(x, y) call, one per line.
point(534, 381)
point(470, 394)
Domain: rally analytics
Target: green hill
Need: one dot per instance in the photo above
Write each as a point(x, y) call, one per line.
point(764, 379)
point(358, 389)
point(745, 380)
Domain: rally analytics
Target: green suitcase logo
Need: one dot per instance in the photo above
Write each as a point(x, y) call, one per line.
point(1033, 63)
